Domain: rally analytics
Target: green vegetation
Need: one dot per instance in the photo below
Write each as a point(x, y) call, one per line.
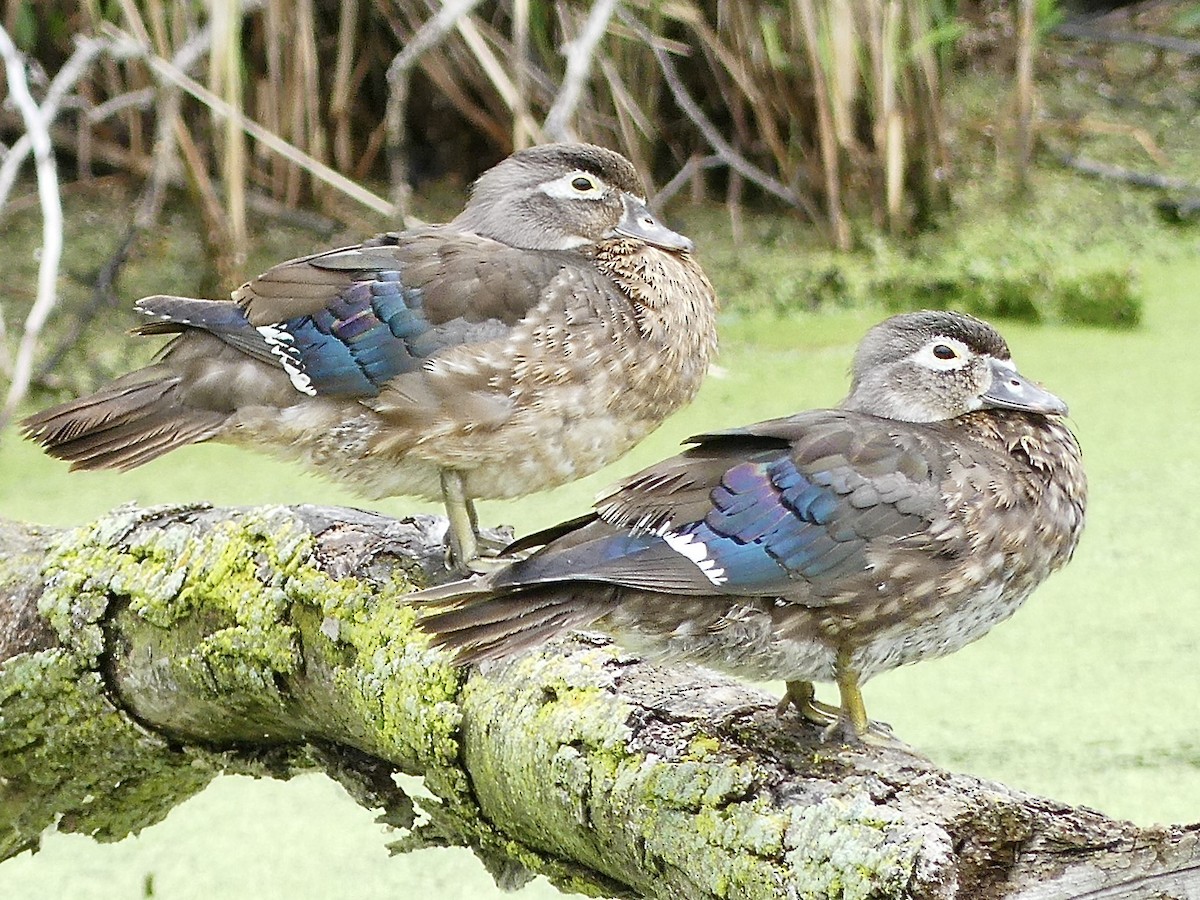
point(1051, 281)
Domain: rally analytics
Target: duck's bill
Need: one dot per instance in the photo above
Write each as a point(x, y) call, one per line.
point(638, 222)
point(1011, 390)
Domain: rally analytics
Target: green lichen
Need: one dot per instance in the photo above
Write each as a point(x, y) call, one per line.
point(225, 611)
point(553, 754)
point(689, 819)
point(702, 745)
point(68, 755)
point(849, 851)
point(383, 673)
point(230, 579)
point(696, 785)
point(580, 741)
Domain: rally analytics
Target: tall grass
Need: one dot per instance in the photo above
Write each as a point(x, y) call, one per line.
point(837, 101)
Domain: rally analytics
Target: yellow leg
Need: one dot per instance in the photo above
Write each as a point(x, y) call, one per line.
point(802, 695)
point(854, 712)
point(848, 723)
point(485, 546)
point(464, 545)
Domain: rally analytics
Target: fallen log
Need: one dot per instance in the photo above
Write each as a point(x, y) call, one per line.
point(145, 653)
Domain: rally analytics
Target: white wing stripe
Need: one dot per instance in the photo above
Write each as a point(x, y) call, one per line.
point(279, 342)
point(687, 546)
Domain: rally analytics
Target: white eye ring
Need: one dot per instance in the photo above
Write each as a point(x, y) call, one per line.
point(564, 187)
point(928, 356)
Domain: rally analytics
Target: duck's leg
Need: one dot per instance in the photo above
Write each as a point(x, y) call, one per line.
point(486, 546)
point(852, 725)
point(853, 718)
point(803, 696)
point(848, 722)
point(464, 543)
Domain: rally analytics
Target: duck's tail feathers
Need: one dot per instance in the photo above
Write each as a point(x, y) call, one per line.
point(477, 624)
point(131, 421)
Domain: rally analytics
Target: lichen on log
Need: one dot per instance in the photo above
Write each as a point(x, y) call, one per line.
point(145, 653)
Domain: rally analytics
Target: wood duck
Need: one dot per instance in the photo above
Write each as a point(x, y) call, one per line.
point(536, 337)
point(826, 546)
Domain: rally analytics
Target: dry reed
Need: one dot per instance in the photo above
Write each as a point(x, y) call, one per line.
point(832, 106)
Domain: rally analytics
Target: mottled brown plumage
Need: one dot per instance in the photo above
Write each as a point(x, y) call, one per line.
point(827, 546)
point(537, 337)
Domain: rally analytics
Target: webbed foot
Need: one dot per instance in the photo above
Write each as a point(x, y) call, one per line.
point(847, 724)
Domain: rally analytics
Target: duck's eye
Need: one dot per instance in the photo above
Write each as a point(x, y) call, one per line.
point(582, 184)
point(943, 351)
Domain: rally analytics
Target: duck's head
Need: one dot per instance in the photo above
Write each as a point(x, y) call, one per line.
point(932, 365)
point(563, 197)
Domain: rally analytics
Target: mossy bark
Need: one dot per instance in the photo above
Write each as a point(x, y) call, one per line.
point(145, 653)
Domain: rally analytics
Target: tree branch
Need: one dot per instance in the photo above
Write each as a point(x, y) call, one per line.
point(1083, 31)
point(144, 653)
point(721, 147)
point(1097, 169)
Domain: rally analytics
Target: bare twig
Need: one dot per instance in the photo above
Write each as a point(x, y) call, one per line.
point(143, 98)
point(497, 75)
point(1081, 32)
point(727, 154)
point(80, 60)
point(119, 157)
point(625, 103)
point(37, 127)
point(690, 170)
point(184, 59)
point(1097, 126)
point(399, 75)
point(636, 127)
point(147, 212)
point(579, 54)
point(1098, 169)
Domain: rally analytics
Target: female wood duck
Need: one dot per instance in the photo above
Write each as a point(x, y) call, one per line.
point(826, 546)
point(538, 336)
